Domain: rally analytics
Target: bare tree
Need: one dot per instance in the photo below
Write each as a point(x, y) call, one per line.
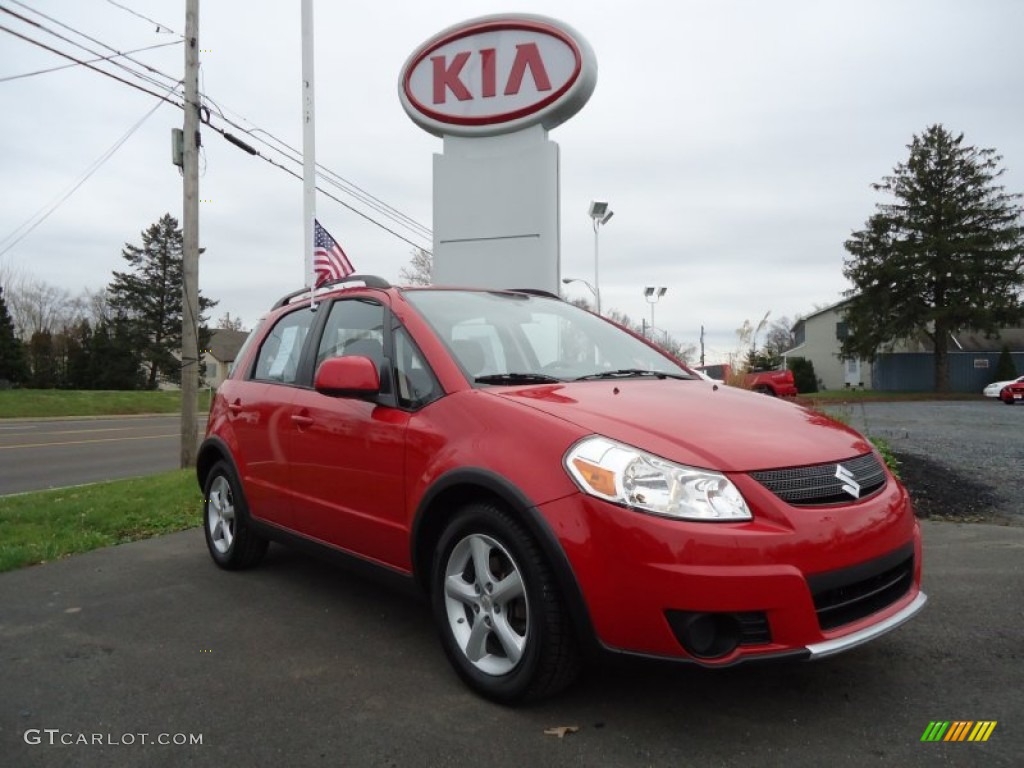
point(229, 323)
point(38, 307)
point(662, 339)
point(419, 269)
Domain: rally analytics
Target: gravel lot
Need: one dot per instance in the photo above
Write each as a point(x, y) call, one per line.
point(961, 460)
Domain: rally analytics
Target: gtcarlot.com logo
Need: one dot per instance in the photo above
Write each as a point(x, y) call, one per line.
point(958, 730)
point(55, 737)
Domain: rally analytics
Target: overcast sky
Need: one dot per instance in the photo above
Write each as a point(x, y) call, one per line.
point(736, 140)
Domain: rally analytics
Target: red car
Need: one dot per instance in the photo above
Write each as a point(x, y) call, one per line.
point(1013, 393)
point(557, 486)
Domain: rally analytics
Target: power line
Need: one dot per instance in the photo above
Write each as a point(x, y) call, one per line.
point(44, 213)
point(59, 36)
point(337, 181)
point(234, 140)
point(92, 61)
point(159, 26)
point(87, 65)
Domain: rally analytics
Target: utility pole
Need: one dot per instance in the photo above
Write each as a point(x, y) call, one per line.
point(190, 242)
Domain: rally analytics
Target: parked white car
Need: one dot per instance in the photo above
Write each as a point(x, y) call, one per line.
point(993, 389)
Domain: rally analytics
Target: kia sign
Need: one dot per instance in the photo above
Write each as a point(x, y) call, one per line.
point(498, 74)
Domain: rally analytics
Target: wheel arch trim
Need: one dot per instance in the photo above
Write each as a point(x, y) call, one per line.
point(468, 479)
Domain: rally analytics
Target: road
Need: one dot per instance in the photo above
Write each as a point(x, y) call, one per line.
point(54, 453)
point(302, 663)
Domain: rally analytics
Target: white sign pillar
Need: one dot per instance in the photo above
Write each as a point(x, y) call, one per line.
point(492, 88)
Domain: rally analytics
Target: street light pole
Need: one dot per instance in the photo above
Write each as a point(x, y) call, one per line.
point(652, 294)
point(600, 213)
point(568, 280)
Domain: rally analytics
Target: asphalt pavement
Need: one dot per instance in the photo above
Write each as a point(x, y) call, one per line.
point(106, 654)
point(37, 454)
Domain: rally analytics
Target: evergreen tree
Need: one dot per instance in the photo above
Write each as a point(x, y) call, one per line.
point(1005, 369)
point(803, 375)
point(946, 255)
point(77, 356)
point(13, 367)
point(116, 364)
point(149, 297)
point(43, 361)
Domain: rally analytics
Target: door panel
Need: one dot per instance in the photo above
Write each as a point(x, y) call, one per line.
point(258, 414)
point(346, 460)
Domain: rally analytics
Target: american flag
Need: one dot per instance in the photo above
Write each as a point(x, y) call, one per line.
point(329, 261)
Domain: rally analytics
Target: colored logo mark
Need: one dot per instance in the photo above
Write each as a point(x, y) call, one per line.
point(958, 730)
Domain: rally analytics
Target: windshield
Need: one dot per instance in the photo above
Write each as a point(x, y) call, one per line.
point(516, 338)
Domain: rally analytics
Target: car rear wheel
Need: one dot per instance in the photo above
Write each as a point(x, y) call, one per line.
point(765, 390)
point(232, 542)
point(501, 618)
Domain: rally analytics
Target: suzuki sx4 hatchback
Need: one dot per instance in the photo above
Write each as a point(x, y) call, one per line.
point(555, 484)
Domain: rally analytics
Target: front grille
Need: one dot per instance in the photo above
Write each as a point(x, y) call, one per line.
point(833, 483)
point(844, 596)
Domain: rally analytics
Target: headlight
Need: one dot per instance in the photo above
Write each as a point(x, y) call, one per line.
point(625, 475)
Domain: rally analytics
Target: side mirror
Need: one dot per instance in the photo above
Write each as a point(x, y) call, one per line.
point(349, 376)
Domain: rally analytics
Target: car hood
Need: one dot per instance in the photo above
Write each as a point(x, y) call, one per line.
point(696, 422)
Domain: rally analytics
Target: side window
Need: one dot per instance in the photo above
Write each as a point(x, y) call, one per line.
point(278, 358)
point(355, 327)
point(416, 383)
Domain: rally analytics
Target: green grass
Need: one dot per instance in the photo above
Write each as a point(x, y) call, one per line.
point(48, 525)
point(42, 403)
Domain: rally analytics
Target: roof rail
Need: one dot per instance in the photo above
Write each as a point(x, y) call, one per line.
point(535, 292)
point(370, 281)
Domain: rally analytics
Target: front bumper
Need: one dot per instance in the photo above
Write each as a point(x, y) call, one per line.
point(780, 573)
point(866, 635)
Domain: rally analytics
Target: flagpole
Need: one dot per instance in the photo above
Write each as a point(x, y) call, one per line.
point(308, 145)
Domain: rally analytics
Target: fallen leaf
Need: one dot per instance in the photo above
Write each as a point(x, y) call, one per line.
point(561, 730)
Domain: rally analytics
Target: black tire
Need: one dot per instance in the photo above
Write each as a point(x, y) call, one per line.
point(524, 605)
point(1009, 402)
point(232, 543)
point(765, 390)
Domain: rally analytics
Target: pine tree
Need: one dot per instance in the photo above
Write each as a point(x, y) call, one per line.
point(149, 296)
point(43, 360)
point(1005, 368)
point(947, 255)
point(13, 367)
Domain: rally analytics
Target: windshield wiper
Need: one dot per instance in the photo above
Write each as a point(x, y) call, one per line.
point(624, 373)
point(517, 378)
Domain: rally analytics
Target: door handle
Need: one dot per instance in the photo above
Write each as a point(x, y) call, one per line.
point(302, 421)
point(235, 407)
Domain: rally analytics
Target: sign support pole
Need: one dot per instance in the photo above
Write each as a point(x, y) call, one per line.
point(308, 143)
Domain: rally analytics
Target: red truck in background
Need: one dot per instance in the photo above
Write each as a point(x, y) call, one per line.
point(774, 383)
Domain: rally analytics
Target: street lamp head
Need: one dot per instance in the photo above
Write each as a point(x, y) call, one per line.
point(654, 292)
point(607, 216)
point(598, 209)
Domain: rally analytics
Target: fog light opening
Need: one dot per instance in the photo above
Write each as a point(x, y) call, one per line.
point(707, 635)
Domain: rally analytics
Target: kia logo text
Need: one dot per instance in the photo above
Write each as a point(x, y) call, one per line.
point(498, 74)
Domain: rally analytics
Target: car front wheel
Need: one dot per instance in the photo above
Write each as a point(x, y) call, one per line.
point(501, 618)
point(232, 543)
